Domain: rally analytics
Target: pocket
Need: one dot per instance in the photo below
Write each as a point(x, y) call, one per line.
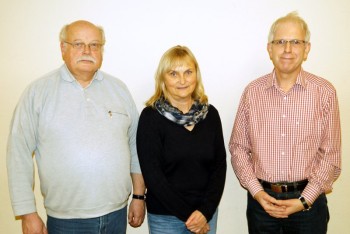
point(117, 119)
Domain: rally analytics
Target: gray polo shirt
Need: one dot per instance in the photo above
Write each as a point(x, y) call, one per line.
point(84, 145)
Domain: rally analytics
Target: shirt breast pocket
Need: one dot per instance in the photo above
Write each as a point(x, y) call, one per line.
point(118, 120)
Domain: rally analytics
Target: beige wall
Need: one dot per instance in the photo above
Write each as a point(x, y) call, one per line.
point(227, 36)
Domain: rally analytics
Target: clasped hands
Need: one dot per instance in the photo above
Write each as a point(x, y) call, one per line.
point(278, 208)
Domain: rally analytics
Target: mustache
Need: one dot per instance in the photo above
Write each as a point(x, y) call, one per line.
point(86, 58)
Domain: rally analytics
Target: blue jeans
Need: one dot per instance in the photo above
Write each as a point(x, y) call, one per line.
point(166, 224)
point(112, 223)
point(312, 221)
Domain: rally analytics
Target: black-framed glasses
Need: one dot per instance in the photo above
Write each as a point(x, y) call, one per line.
point(294, 42)
point(93, 46)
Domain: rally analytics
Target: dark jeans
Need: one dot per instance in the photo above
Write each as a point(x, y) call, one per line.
point(112, 223)
point(313, 221)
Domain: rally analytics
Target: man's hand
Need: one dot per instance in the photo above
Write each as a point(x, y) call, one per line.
point(292, 206)
point(136, 212)
point(273, 207)
point(33, 224)
point(197, 223)
point(137, 207)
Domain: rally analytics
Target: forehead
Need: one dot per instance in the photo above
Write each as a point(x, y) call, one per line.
point(181, 64)
point(83, 31)
point(289, 30)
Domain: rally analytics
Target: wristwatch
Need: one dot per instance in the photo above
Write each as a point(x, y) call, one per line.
point(303, 201)
point(139, 197)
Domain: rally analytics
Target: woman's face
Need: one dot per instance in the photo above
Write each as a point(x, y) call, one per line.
point(180, 81)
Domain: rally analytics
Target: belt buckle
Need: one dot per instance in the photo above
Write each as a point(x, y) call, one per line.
point(279, 188)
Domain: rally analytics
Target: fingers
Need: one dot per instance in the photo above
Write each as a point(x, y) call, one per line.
point(280, 208)
point(272, 206)
point(203, 230)
point(135, 220)
point(292, 206)
point(136, 213)
point(196, 221)
point(32, 223)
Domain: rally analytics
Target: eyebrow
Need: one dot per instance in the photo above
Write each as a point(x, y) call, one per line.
point(80, 40)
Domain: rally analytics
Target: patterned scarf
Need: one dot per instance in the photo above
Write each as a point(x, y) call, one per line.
point(197, 112)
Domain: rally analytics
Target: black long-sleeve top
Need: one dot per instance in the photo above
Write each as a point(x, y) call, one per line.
point(183, 170)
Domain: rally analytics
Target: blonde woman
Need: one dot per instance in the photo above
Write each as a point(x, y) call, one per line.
point(181, 149)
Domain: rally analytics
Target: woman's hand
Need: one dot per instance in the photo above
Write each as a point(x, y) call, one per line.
point(197, 223)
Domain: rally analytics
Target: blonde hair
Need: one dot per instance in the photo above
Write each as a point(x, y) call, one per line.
point(290, 17)
point(172, 57)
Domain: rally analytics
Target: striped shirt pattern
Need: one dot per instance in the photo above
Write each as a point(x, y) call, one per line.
point(287, 136)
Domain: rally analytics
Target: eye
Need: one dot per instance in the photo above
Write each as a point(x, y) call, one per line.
point(189, 72)
point(172, 73)
point(78, 45)
point(281, 42)
point(94, 46)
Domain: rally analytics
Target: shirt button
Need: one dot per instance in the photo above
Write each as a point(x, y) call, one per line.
point(283, 135)
point(282, 153)
point(88, 99)
point(284, 116)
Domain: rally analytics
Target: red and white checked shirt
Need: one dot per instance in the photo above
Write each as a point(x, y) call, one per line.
point(279, 136)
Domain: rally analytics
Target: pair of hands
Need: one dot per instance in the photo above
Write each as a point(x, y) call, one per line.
point(278, 208)
point(197, 223)
point(33, 224)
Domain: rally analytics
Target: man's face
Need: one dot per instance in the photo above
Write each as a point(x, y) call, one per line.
point(288, 58)
point(80, 58)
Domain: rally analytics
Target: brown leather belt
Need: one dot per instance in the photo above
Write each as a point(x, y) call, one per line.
point(284, 187)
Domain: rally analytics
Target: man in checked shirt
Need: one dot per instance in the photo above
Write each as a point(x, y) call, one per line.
point(286, 140)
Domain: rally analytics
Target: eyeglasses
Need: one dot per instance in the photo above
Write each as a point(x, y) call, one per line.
point(294, 42)
point(94, 46)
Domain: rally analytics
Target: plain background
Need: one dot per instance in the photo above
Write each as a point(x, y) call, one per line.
point(228, 37)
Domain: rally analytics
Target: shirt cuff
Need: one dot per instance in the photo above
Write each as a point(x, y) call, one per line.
point(254, 187)
point(24, 208)
point(311, 193)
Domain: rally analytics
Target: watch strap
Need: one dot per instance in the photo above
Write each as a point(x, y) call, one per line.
point(139, 197)
point(303, 201)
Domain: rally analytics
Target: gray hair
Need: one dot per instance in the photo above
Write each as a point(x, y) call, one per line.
point(290, 17)
point(64, 30)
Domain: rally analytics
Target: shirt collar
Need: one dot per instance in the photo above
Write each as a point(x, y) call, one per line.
point(68, 76)
point(272, 81)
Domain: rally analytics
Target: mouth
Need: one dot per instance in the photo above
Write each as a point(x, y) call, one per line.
point(85, 61)
point(287, 59)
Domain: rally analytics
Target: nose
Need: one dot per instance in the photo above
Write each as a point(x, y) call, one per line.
point(86, 49)
point(287, 47)
point(182, 78)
